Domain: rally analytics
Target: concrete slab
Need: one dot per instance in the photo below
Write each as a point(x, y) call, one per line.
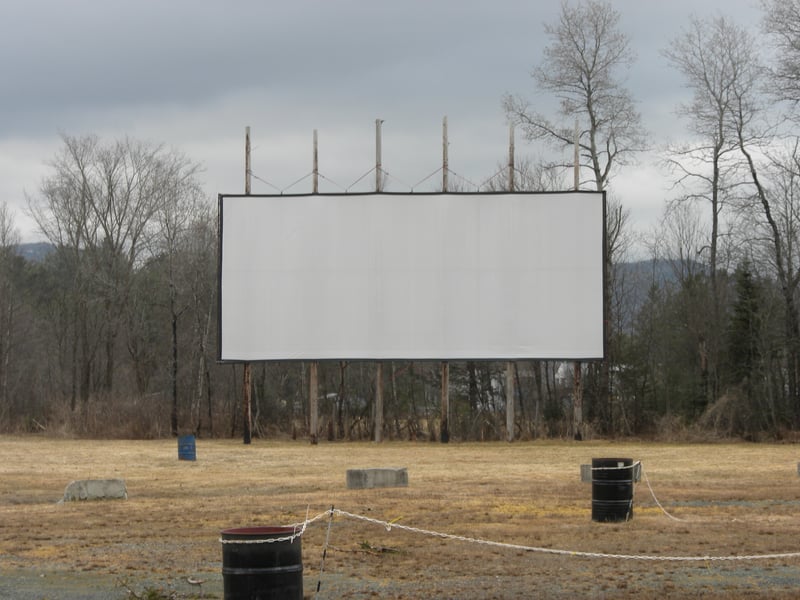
point(96, 489)
point(359, 479)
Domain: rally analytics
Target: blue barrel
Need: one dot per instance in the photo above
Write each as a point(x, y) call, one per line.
point(186, 448)
point(262, 563)
point(612, 489)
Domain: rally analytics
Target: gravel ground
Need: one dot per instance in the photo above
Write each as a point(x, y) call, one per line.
point(21, 584)
point(551, 582)
point(53, 585)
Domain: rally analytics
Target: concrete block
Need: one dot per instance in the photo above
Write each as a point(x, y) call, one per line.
point(359, 479)
point(96, 489)
point(586, 473)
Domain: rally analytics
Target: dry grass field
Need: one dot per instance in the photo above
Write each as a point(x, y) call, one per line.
point(727, 500)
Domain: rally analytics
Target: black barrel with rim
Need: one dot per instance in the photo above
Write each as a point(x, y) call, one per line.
point(612, 489)
point(262, 563)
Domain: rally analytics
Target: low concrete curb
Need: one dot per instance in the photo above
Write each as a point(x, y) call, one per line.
point(359, 479)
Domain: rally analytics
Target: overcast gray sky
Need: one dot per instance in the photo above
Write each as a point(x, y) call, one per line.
point(193, 73)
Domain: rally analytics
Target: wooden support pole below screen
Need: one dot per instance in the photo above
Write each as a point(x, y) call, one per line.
point(313, 402)
point(577, 389)
point(510, 396)
point(445, 433)
point(246, 403)
point(377, 421)
point(246, 386)
point(313, 377)
point(510, 387)
point(379, 402)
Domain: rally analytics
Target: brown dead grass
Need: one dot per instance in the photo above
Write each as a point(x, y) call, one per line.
point(734, 499)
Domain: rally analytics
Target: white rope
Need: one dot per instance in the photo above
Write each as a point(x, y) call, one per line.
point(324, 553)
point(705, 558)
point(288, 538)
point(556, 551)
point(619, 467)
point(653, 494)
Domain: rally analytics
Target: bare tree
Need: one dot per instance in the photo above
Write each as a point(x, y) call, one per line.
point(773, 189)
point(200, 247)
point(619, 242)
point(584, 68)
point(174, 215)
point(529, 176)
point(62, 213)
point(99, 208)
point(782, 22)
point(777, 234)
point(9, 303)
point(716, 57)
point(581, 68)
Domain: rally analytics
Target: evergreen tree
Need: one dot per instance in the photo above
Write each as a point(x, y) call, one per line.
point(743, 330)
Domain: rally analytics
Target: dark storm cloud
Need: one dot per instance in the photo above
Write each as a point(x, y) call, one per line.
point(88, 56)
point(193, 73)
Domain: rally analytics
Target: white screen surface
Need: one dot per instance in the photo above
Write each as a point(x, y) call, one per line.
point(411, 276)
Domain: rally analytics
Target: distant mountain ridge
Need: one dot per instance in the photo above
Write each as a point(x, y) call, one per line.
point(35, 252)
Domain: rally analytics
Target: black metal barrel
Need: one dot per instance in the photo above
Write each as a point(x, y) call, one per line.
point(262, 563)
point(612, 489)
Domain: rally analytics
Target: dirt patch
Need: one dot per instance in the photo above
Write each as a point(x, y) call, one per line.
point(732, 500)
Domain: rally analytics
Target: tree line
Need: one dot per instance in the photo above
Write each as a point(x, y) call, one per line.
point(114, 332)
